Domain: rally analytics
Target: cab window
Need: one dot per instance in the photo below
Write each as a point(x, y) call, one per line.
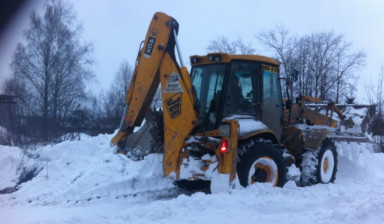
point(243, 92)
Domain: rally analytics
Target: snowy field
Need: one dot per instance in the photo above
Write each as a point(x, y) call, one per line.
point(84, 182)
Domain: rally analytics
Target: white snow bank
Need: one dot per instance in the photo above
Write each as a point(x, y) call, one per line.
point(78, 171)
point(14, 165)
point(361, 157)
point(83, 182)
point(9, 163)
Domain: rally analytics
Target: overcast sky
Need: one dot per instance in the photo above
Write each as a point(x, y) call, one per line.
point(116, 27)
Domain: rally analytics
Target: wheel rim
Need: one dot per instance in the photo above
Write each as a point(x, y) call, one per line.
point(264, 170)
point(327, 166)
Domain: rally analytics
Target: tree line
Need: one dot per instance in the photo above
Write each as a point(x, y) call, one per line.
point(52, 66)
point(375, 94)
point(321, 64)
point(50, 70)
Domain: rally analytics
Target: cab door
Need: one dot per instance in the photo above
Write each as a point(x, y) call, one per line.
point(272, 107)
point(243, 89)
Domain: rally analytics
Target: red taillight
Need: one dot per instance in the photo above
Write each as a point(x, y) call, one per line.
point(223, 146)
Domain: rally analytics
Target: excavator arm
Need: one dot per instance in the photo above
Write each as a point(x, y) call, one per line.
point(155, 64)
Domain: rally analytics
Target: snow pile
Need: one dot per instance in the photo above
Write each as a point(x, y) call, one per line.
point(78, 171)
point(361, 156)
point(84, 182)
point(16, 167)
point(354, 120)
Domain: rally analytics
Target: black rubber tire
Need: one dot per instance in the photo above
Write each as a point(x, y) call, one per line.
point(312, 165)
point(253, 151)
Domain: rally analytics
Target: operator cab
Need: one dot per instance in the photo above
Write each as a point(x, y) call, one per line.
point(237, 85)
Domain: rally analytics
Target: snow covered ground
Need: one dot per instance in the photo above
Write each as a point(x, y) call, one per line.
point(84, 182)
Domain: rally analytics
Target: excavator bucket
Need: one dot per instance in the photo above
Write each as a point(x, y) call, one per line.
point(147, 139)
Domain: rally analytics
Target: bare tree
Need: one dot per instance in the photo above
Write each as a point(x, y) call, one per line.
point(324, 62)
point(114, 100)
point(301, 62)
point(325, 46)
point(52, 66)
point(223, 45)
point(375, 94)
point(346, 65)
point(332, 65)
point(284, 45)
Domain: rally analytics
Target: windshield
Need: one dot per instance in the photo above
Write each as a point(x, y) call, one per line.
point(243, 94)
point(208, 83)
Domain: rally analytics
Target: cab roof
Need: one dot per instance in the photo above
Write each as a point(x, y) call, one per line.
point(213, 58)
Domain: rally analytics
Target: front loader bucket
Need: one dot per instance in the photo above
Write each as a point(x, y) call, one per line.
point(148, 139)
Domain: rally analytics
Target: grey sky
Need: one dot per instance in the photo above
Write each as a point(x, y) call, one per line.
point(116, 27)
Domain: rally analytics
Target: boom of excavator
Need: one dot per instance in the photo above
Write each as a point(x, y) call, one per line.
point(156, 64)
point(206, 128)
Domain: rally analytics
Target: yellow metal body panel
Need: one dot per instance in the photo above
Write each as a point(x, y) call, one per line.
point(301, 111)
point(292, 138)
point(145, 79)
point(262, 132)
point(314, 138)
point(227, 162)
point(310, 99)
point(179, 115)
point(226, 58)
point(338, 112)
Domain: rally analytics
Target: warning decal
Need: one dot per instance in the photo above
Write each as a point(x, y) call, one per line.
point(173, 84)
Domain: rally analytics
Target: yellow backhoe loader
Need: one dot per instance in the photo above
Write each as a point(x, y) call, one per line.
point(226, 118)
